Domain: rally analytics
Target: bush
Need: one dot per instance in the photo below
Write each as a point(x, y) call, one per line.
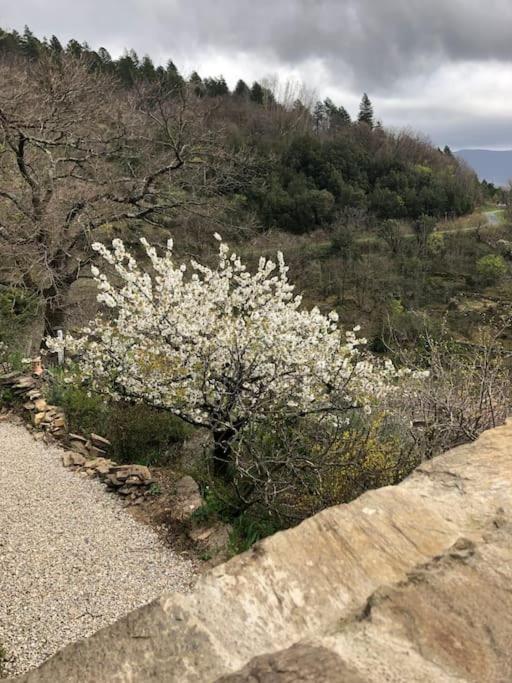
point(285, 471)
point(468, 390)
point(491, 268)
point(17, 311)
point(138, 433)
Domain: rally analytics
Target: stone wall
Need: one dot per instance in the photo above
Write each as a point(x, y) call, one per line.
point(407, 583)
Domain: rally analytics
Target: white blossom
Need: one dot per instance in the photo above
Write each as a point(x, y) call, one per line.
point(220, 346)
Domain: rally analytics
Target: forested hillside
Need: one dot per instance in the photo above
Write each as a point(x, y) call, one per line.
point(310, 160)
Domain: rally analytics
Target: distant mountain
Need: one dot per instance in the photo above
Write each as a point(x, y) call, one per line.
point(491, 165)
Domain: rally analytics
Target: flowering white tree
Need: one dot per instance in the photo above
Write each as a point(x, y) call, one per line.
point(220, 347)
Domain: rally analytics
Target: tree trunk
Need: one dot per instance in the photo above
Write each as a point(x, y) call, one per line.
point(54, 316)
point(222, 461)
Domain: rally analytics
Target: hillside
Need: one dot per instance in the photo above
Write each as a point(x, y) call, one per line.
point(494, 166)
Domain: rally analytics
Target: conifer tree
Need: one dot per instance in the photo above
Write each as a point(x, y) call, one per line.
point(30, 45)
point(147, 69)
point(197, 84)
point(319, 116)
point(242, 89)
point(74, 48)
point(55, 45)
point(173, 77)
point(257, 93)
point(366, 111)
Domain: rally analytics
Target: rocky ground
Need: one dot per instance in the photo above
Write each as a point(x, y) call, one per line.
point(72, 560)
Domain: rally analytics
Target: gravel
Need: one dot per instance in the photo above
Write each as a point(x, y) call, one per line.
point(72, 560)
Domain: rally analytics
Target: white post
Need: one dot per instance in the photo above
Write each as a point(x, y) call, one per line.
point(60, 352)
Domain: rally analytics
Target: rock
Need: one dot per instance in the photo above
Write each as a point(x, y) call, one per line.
point(214, 538)
point(187, 499)
point(134, 480)
point(100, 441)
point(120, 473)
point(33, 394)
point(41, 405)
point(102, 466)
point(59, 422)
point(70, 459)
point(79, 447)
point(37, 418)
point(9, 377)
point(96, 452)
point(24, 382)
point(29, 405)
point(77, 437)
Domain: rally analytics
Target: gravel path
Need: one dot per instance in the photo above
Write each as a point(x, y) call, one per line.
point(72, 560)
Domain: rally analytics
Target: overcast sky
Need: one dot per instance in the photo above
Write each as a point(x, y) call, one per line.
point(443, 67)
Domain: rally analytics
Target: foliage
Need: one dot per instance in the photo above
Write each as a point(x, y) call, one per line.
point(288, 470)
point(138, 433)
point(491, 268)
point(18, 309)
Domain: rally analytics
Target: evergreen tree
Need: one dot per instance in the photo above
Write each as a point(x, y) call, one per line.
point(344, 116)
point(147, 69)
point(366, 111)
point(30, 45)
point(55, 45)
point(216, 87)
point(319, 116)
point(447, 151)
point(173, 77)
point(197, 84)
point(127, 68)
point(74, 48)
point(257, 93)
point(10, 43)
point(104, 55)
point(242, 89)
point(336, 117)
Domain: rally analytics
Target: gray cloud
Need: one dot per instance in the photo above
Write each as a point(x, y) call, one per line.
point(384, 46)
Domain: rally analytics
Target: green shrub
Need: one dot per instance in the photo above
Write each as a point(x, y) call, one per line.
point(17, 311)
point(491, 268)
point(143, 434)
point(138, 433)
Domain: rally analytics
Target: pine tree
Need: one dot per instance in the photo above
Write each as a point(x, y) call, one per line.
point(174, 79)
point(257, 93)
point(344, 116)
point(366, 111)
point(147, 69)
point(319, 116)
point(74, 48)
point(30, 45)
point(197, 84)
point(127, 67)
point(104, 55)
point(242, 89)
point(216, 87)
point(55, 45)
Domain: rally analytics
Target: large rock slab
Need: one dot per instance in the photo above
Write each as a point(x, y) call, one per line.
point(406, 583)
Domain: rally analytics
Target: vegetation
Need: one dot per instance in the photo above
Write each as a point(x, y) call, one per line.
point(137, 433)
point(376, 225)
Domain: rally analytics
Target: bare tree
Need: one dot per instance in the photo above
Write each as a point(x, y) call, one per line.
point(78, 153)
